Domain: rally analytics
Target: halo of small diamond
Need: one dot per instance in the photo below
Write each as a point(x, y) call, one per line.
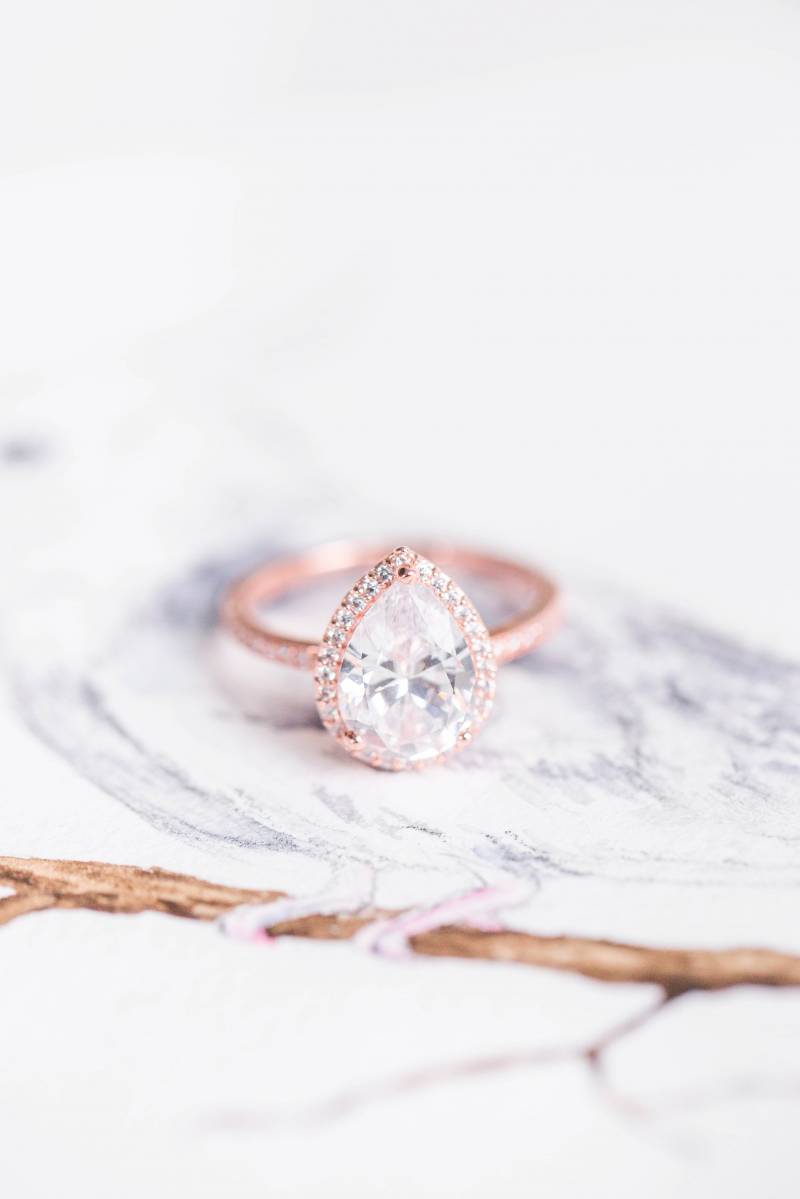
point(403, 565)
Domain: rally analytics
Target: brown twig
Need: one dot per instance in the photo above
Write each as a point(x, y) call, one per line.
point(41, 883)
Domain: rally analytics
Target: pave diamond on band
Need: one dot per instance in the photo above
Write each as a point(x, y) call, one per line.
point(405, 672)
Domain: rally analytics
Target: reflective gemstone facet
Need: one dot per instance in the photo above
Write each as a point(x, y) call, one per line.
point(407, 677)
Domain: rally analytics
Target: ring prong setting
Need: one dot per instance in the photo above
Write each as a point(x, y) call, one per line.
point(414, 673)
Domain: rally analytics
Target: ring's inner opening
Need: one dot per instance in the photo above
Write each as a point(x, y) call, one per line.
point(305, 608)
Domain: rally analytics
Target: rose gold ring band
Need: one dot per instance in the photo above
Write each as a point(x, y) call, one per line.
point(538, 616)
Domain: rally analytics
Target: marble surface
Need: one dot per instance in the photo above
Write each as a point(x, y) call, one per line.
point(637, 782)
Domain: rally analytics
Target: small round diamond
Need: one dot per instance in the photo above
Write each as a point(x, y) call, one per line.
point(383, 573)
point(368, 586)
point(343, 617)
point(356, 602)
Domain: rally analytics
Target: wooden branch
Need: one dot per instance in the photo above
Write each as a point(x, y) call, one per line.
point(41, 883)
point(103, 887)
point(20, 904)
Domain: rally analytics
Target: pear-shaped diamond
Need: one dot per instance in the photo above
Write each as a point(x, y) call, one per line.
point(407, 677)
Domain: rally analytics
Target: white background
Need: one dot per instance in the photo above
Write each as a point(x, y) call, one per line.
point(530, 269)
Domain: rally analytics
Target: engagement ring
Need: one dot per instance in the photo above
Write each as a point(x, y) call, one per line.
point(404, 674)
